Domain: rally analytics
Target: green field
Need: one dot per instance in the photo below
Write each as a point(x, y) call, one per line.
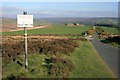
point(54, 29)
point(88, 64)
point(111, 30)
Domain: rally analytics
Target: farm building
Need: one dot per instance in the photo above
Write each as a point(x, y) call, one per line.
point(69, 24)
point(74, 24)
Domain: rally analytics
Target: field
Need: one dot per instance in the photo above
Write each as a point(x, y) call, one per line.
point(54, 29)
point(53, 58)
point(11, 23)
point(111, 30)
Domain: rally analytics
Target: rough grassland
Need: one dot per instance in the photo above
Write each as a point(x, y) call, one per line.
point(87, 64)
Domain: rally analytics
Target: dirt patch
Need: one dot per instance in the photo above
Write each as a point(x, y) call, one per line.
point(10, 28)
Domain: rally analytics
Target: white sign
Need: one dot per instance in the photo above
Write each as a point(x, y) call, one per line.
point(24, 20)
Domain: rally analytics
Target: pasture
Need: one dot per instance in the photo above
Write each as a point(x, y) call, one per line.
point(111, 30)
point(54, 29)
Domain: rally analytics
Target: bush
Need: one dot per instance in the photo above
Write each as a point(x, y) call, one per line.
point(115, 39)
point(104, 33)
point(90, 32)
point(99, 30)
point(58, 66)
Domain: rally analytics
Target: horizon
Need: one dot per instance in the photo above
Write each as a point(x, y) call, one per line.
point(60, 9)
point(56, 17)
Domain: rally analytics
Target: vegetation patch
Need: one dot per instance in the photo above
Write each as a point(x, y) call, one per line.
point(106, 36)
point(37, 45)
point(107, 30)
point(83, 62)
point(114, 41)
point(58, 66)
point(100, 31)
point(54, 66)
point(90, 32)
point(111, 30)
point(88, 63)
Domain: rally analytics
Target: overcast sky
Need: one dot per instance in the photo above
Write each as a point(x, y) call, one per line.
point(60, 9)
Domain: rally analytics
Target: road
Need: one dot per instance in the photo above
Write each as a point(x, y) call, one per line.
point(18, 29)
point(108, 53)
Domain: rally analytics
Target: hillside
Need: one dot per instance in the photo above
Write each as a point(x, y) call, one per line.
point(10, 23)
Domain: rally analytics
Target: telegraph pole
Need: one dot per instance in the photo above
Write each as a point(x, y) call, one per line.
point(26, 52)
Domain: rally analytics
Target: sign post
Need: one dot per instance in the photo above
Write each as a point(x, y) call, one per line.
point(26, 53)
point(25, 21)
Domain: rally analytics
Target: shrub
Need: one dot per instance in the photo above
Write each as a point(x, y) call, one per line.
point(90, 32)
point(104, 33)
point(58, 66)
point(115, 39)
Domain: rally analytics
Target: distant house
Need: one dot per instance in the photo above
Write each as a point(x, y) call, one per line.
point(74, 24)
point(77, 24)
point(69, 24)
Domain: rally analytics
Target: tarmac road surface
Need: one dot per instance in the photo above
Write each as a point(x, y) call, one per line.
point(108, 53)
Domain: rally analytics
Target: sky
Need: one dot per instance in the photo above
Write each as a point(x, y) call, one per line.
point(60, 0)
point(60, 9)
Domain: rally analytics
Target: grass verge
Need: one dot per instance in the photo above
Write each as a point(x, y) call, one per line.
point(88, 63)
